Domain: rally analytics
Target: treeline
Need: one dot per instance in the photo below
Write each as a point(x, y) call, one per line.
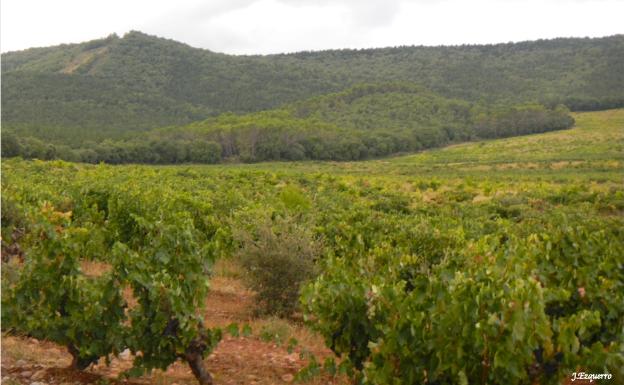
point(151, 151)
point(522, 121)
point(366, 121)
point(592, 104)
point(104, 89)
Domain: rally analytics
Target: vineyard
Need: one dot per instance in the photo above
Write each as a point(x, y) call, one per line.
point(494, 262)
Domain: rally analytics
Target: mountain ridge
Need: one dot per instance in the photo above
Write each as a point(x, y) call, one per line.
point(326, 50)
point(110, 87)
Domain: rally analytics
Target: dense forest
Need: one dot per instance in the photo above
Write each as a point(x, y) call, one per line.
point(362, 122)
point(81, 95)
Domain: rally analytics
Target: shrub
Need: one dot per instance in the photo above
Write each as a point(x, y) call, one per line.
point(278, 258)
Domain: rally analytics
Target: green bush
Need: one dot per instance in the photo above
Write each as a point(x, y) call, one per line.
point(514, 310)
point(51, 298)
point(278, 258)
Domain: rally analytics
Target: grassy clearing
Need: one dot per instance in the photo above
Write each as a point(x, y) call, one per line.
point(592, 150)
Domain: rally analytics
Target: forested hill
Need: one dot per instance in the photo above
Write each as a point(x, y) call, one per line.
point(105, 88)
point(364, 121)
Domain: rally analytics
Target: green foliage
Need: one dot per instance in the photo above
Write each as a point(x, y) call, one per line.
point(490, 262)
point(10, 145)
point(153, 248)
point(278, 258)
point(53, 300)
point(361, 122)
point(168, 279)
point(509, 311)
point(294, 200)
point(106, 88)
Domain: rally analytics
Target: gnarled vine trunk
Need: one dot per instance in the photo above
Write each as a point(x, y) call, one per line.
point(194, 357)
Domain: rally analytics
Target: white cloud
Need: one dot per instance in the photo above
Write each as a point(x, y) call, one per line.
point(270, 26)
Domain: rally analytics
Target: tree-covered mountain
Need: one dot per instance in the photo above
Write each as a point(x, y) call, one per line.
point(103, 89)
point(361, 122)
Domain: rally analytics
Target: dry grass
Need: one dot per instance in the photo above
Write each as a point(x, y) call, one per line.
point(29, 350)
point(227, 268)
point(94, 268)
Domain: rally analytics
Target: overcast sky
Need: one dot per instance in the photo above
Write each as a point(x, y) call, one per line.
point(272, 26)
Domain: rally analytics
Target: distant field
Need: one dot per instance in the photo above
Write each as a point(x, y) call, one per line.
point(594, 145)
point(597, 136)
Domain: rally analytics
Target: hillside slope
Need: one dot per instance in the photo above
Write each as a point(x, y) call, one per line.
point(592, 149)
point(105, 88)
point(362, 122)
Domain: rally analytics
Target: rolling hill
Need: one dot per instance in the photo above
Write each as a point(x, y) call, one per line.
point(104, 89)
point(364, 121)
